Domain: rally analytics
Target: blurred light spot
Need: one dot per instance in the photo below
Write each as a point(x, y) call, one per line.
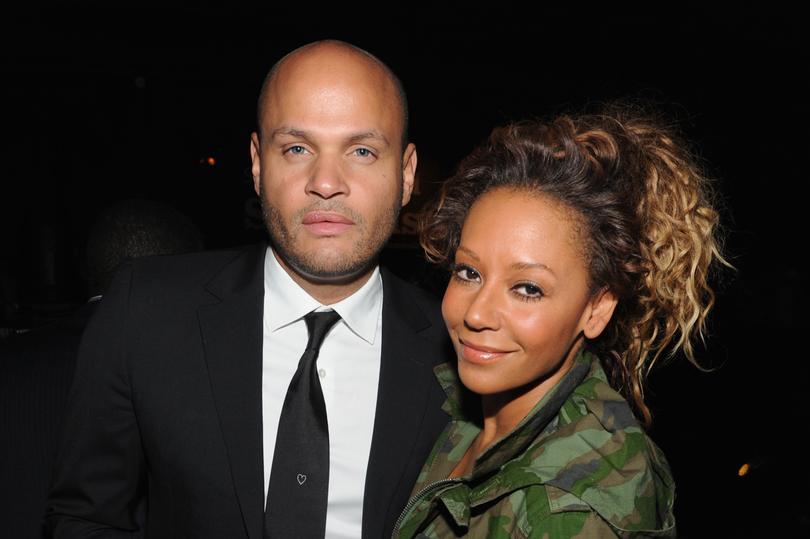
point(210, 161)
point(744, 469)
point(140, 83)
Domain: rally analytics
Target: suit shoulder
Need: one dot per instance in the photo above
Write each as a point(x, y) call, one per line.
point(187, 264)
point(190, 270)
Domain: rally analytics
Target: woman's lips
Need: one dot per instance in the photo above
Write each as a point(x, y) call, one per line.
point(321, 223)
point(476, 353)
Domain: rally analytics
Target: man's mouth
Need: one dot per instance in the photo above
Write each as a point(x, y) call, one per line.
point(326, 223)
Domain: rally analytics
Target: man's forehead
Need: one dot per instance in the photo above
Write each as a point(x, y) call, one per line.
point(331, 71)
point(311, 99)
point(315, 79)
point(336, 55)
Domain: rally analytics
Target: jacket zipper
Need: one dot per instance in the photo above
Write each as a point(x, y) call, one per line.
point(416, 498)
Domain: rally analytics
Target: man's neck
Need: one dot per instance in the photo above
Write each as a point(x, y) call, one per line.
point(327, 292)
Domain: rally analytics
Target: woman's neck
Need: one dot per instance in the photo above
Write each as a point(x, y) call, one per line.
point(502, 412)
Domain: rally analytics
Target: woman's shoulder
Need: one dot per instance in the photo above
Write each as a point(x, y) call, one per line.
point(597, 457)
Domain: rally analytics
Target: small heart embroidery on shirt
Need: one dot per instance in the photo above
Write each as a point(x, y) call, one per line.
point(301, 478)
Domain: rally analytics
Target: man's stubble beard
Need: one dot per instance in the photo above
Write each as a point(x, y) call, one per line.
point(311, 265)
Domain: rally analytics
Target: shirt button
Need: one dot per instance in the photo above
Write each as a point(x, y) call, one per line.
point(322, 373)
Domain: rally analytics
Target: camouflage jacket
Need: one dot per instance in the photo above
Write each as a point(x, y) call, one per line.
point(578, 465)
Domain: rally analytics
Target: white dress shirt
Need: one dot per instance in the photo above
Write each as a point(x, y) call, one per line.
point(349, 369)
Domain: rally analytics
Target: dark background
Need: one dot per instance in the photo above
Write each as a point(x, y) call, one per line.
point(104, 103)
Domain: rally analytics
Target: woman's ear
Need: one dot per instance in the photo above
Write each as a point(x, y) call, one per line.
point(600, 310)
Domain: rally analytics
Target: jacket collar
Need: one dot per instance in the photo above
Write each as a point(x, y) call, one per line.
point(525, 433)
point(231, 330)
point(404, 417)
point(517, 460)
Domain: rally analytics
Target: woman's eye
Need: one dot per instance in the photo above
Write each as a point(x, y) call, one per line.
point(466, 273)
point(528, 290)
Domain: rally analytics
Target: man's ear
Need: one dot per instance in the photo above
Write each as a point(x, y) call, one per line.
point(600, 310)
point(408, 172)
point(256, 162)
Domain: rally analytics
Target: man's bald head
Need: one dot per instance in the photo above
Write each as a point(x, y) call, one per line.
point(337, 54)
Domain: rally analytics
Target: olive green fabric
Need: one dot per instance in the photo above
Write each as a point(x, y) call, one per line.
point(578, 465)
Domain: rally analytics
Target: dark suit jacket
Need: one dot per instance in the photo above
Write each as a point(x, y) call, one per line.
point(36, 370)
point(167, 404)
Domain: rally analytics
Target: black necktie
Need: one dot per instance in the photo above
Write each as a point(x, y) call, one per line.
point(299, 478)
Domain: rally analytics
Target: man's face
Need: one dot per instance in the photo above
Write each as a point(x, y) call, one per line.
point(329, 166)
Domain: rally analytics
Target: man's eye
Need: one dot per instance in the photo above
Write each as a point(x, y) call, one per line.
point(363, 152)
point(296, 150)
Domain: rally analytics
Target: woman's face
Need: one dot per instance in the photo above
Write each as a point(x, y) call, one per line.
point(518, 303)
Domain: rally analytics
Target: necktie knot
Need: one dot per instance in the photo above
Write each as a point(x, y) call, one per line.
point(318, 325)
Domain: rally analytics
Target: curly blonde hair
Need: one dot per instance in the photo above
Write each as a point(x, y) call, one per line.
point(650, 227)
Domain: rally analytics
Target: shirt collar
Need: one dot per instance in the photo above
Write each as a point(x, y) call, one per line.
point(286, 302)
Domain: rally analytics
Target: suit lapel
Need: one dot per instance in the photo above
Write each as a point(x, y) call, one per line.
point(406, 375)
point(232, 336)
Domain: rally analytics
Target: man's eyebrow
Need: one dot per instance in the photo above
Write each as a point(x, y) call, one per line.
point(373, 134)
point(291, 131)
point(357, 137)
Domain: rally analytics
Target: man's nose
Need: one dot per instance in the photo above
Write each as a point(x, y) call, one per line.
point(327, 179)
